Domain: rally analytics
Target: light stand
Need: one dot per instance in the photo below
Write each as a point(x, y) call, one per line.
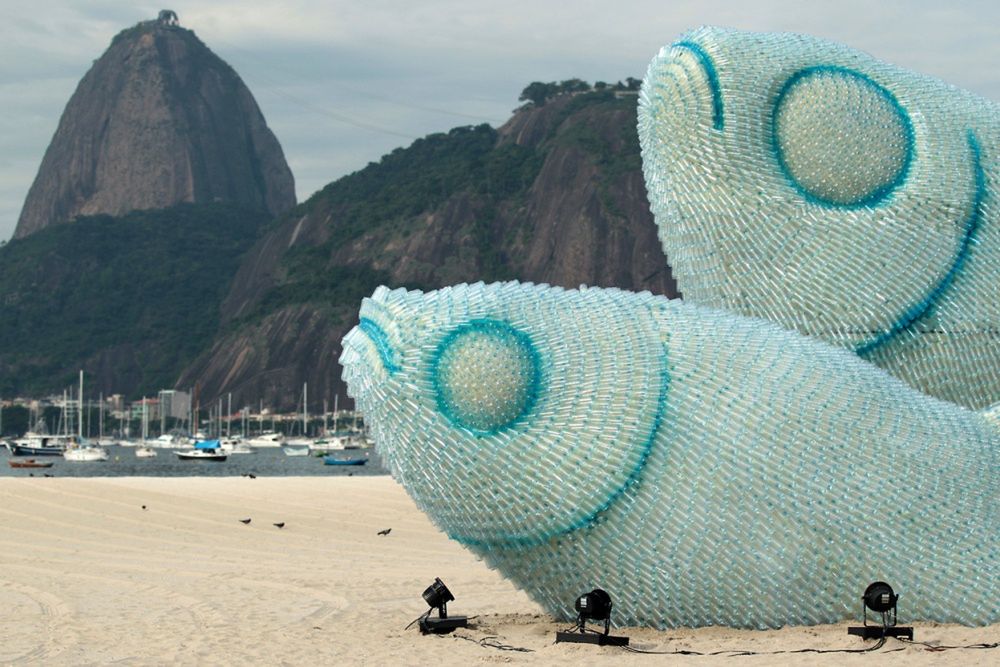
point(595, 605)
point(438, 596)
point(880, 598)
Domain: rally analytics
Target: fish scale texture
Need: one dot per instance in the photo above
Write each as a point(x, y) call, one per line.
point(703, 467)
point(807, 183)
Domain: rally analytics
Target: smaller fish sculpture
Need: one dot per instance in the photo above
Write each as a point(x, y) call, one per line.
point(804, 182)
point(702, 467)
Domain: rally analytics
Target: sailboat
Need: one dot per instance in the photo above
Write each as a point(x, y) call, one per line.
point(304, 441)
point(81, 450)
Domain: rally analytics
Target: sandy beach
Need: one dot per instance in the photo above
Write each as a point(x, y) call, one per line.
point(89, 576)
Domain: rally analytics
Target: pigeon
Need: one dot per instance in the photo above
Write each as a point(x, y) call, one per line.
point(245, 521)
point(385, 532)
point(144, 507)
point(280, 524)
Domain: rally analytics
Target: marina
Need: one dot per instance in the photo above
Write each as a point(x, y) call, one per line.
point(134, 462)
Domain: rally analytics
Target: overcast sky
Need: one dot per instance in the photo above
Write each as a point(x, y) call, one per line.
point(341, 82)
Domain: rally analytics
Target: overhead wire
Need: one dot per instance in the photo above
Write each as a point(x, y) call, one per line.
point(276, 88)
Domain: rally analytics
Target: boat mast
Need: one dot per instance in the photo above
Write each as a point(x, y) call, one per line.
point(145, 421)
point(100, 416)
point(79, 426)
point(229, 414)
point(305, 410)
point(336, 398)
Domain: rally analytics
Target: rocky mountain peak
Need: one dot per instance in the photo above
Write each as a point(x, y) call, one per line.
point(157, 120)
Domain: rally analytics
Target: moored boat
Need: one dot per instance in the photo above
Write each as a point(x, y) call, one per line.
point(29, 463)
point(235, 445)
point(335, 461)
point(85, 453)
point(38, 444)
point(144, 452)
point(296, 451)
point(206, 450)
point(267, 439)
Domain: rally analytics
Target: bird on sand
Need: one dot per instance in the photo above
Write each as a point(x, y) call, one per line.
point(385, 532)
point(280, 524)
point(245, 521)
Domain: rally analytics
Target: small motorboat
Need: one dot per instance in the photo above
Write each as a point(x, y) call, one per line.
point(336, 461)
point(28, 463)
point(85, 453)
point(204, 450)
point(296, 451)
point(34, 444)
point(201, 455)
point(236, 446)
point(144, 452)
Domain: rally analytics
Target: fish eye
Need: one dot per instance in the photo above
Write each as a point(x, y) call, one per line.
point(840, 137)
point(485, 375)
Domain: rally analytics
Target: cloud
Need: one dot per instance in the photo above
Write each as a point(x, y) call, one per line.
point(322, 71)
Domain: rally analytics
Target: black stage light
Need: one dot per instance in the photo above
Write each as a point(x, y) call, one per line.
point(596, 606)
point(438, 596)
point(880, 598)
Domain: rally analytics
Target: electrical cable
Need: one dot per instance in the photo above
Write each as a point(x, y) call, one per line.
point(738, 652)
point(942, 647)
point(422, 616)
point(493, 641)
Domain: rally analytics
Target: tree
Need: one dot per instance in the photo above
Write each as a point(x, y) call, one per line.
point(537, 92)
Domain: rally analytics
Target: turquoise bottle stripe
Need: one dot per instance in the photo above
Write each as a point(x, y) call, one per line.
point(718, 122)
point(970, 228)
point(381, 341)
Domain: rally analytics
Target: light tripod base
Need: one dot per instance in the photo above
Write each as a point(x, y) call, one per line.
point(441, 626)
point(590, 638)
point(876, 632)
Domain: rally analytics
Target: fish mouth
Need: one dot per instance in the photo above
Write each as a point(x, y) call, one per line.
point(707, 65)
point(370, 354)
point(684, 81)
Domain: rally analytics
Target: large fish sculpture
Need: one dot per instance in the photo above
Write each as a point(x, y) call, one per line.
point(807, 183)
point(702, 467)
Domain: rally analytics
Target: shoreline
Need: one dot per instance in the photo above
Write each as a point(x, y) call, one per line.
point(89, 576)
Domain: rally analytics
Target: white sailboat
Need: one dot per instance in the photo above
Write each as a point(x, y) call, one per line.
point(82, 451)
point(304, 440)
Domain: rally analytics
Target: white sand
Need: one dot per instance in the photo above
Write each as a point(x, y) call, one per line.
point(89, 577)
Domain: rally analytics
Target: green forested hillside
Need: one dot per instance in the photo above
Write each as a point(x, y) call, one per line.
point(389, 195)
point(555, 195)
point(131, 300)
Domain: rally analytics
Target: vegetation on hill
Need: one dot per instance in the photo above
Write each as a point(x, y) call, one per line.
point(388, 195)
point(131, 299)
point(538, 93)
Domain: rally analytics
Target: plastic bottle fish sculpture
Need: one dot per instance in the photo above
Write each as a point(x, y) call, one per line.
point(703, 467)
point(807, 183)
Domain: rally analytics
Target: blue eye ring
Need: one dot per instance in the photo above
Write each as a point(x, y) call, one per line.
point(381, 341)
point(509, 336)
point(878, 194)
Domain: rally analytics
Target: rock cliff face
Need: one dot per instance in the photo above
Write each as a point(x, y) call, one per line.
point(158, 120)
point(556, 195)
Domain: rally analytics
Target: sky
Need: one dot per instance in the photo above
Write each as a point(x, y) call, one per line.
point(342, 83)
